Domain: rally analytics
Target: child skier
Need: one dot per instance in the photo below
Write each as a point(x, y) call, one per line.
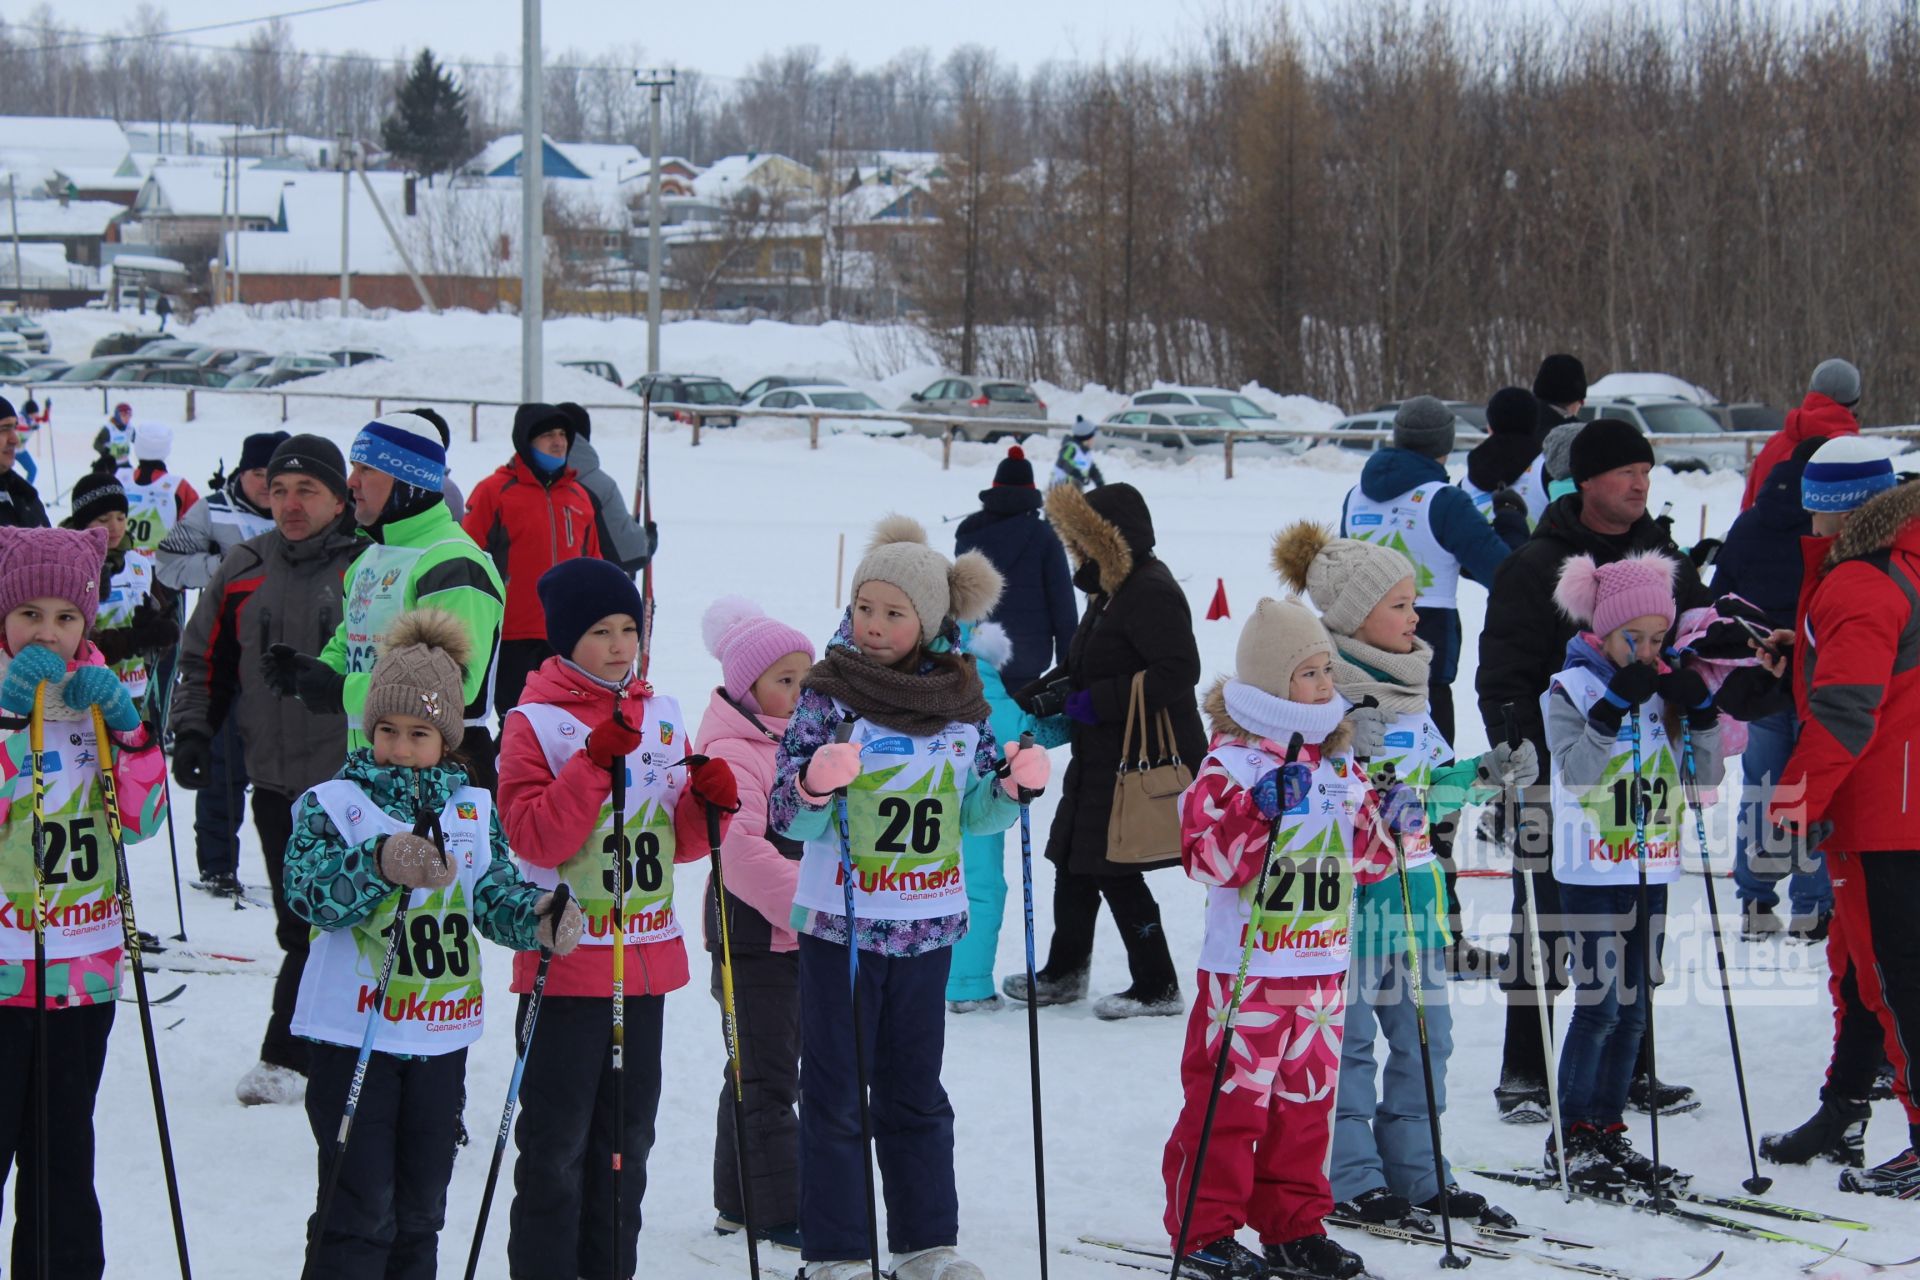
point(400, 819)
point(583, 713)
point(1074, 464)
point(919, 773)
point(1319, 829)
point(49, 591)
point(1382, 1146)
point(1614, 701)
point(138, 618)
point(762, 663)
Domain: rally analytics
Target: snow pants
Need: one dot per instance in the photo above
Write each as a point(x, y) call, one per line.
point(273, 819)
point(1382, 1139)
point(221, 805)
point(1267, 1156)
point(984, 859)
point(766, 1000)
point(1612, 992)
point(76, 1052)
point(1873, 965)
point(902, 1029)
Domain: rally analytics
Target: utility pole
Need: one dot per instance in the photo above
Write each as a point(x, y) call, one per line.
point(239, 221)
point(19, 282)
point(655, 82)
point(346, 192)
point(533, 232)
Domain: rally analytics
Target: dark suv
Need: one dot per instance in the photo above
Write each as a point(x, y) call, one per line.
point(689, 388)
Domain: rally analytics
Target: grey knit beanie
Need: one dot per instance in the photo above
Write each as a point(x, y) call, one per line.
point(1558, 449)
point(1344, 577)
point(1837, 380)
point(965, 589)
point(419, 673)
point(1424, 425)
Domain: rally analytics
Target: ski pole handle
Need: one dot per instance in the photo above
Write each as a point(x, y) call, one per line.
point(843, 732)
point(1511, 723)
point(1027, 794)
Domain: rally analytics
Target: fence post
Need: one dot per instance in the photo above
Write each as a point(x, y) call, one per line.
point(1749, 443)
point(946, 448)
point(473, 422)
point(813, 431)
point(698, 418)
point(1229, 439)
point(103, 399)
point(378, 403)
point(283, 406)
point(189, 404)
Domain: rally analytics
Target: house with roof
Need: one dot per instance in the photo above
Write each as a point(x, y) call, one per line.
point(560, 161)
point(76, 157)
point(78, 227)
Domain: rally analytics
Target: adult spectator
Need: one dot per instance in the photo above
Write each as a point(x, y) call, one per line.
point(420, 557)
point(273, 588)
point(1509, 458)
point(1760, 562)
point(450, 492)
point(1037, 608)
point(1137, 621)
point(530, 515)
point(1522, 645)
point(20, 505)
point(1856, 685)
point(1560, 385)
point(114, 442)
point(1833, 396)
point(622, 540)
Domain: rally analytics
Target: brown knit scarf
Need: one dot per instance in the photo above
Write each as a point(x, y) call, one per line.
point(913, 703)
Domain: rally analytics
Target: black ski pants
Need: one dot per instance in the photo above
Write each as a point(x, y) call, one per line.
point(76, 1052)
point(1076, 909)
point(766, 1001)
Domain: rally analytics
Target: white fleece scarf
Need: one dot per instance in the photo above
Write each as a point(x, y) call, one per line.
point(1278, 719)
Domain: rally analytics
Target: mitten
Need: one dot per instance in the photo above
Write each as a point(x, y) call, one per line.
point(1402, 810)
point(1369, 730)
point(1684, 690)
point(1079, 706)
point(1509, 768)
point(713, 783)
point(416, 862)
point(192, 760)
point(100, 687)
point(832, 767)
point(31, 666)
point(559, 936)
point(1028, 769)
point(1280, 790)
point(612, 741)
point(1632, 685)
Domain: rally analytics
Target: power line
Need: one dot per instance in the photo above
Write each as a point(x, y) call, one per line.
point(137, 38)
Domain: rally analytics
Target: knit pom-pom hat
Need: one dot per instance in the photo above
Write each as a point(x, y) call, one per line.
point(420, 672)
point(746, 641)
point(1604, 598)
point(1345, 577)
point(61, 564)
point(964, 589)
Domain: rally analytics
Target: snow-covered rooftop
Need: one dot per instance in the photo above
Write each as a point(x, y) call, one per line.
point(52, 218)
point(62, 142)
point(597, 161)
point(456, 228)
point(730, 175)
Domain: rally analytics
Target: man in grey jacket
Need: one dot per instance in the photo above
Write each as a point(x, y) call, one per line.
point(622, 539)
point(280, 587)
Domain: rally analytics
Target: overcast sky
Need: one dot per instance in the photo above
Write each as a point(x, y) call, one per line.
point(722, 37)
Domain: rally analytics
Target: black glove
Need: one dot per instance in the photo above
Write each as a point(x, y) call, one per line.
point(1684, 690)
point(1632, 685)
point(301, 675)
point(192, 760)
point(1751, 693)
point(477, 745)
point(1724, 640)
point(280, 669)
point(1510, 499)
point(1732, 606)
point(1048, 700)
point(154, 628)
point(1702, 553)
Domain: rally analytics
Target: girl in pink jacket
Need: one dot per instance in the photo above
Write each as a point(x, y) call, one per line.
point(762, 663)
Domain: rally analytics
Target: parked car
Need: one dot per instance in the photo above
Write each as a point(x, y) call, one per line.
point(1473, 416)
point(312, 362)
point(775, 381)
point(29, 331)
point(267, 376)
point(178, 373)
point(252, 360)
point(224, 357)
point(977, 398)
point(1749, 416)
point(699, 389)
point(1658, 416)
point(1218, 398)
point(94, 370)
point(831, 397)
point(598, 368)
point(347, 357)
point(12, 343)
point(1183, 431)
point(126, 343)
point(13, 365)
point(47, 372)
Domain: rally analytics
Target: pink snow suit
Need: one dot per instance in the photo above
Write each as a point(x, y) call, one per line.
point(757, 872)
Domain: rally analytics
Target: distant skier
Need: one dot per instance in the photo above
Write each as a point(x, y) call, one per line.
point(114, 442)
point(1075, 465)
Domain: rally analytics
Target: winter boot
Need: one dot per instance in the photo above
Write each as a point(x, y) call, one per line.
point(1671, 1098)
point(941, 1263)
point(268, 1085)
point(1811, 927)
point(1224, 1259)
point(221, 884)
point(985, 1004)
point(1882, 1083)
point(1836, 1132)
point(1053, 988)
point(1134, 1003)
point(1376, 1205)
point(1314, 1257)
point(1589, 1166)
point(847, 1269)
point(1640, 1170)
point(1898, 1178)
point(1758, 923)
point(785, 1235)
point(1458, 1202)
point(1521, 1101)
point(1465, 961)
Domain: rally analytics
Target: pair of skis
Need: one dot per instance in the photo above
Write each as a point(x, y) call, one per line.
point(1149, 1256)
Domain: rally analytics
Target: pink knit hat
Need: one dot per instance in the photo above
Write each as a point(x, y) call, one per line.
point(1603, 598)
point(62, 563)
point(747, 642)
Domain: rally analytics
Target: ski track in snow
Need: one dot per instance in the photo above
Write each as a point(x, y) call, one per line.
point(752, 511)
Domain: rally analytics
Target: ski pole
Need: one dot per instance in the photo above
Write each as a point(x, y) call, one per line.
point(555, 911)
point(621, 851)
point(424, 825)
point(643, 503)
point(1758, 1183)
point(1640, 805)
point(1449, 1260)
point(1033, 1014)
point(1228, 1018)
point(1530, 921)
point(130, 933)
point(166, 791)
point(43, 1124)
point(730, 1024)
point(844, 733)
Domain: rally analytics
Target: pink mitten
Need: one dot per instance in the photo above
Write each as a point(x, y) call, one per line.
point(1027, 768)
point(833, 766)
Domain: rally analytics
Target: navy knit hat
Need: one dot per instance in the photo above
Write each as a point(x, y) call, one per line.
point(1844, 473)
point(1562, 380)
point(406, 447)
point(1513, 411)
point(257, 450)
point(1606, 444)
point(575, 594)
point(1014, 471)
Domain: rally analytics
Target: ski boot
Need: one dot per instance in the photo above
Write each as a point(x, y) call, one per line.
point(1836, 1132)
point(940, 1263)
point(853, 1269)
point(1458, 1202)
point(1640, 1170)
point(1224, 1259)
point(1589, 1165)
point(221, 884)
point(1898, 1178)
point(1882, 1084)
point(1758, 923)
point(268, 1085)
point(1318, 1257)
point(1673, 1099)
point(1383, 1208)
point(1133, 1003)
point(785, 1235)
point(983, 1004)
point(1521, 1101)
point(1051, 988)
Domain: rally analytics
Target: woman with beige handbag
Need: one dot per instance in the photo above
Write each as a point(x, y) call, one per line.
point(1125, 696)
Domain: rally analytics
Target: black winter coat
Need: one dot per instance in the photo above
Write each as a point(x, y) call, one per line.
point(1760, 560)
point(1038, 608)
point(1137, 619)
point(20, 505)
point(1525, 638)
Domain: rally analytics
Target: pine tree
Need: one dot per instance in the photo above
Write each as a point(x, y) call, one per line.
point(428, 126)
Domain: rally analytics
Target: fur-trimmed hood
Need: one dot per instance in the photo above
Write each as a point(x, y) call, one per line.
point(1875, 525)
point(1220, 722)
point(1110, 526)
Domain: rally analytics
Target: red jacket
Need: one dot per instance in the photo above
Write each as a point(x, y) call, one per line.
point(548, 818)
point(1816, 416)
point(528, 527)
point(1856, 683)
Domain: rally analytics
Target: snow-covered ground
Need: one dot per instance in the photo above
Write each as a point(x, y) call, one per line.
point(754, 511)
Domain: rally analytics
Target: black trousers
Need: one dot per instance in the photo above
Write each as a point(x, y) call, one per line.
point(76, 1052)
point(518, 660)
point(221, 805)
point(273, 819)
point(562, 1218)
point(385, 1220)
point(766, 1001)
point(1076, 909)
